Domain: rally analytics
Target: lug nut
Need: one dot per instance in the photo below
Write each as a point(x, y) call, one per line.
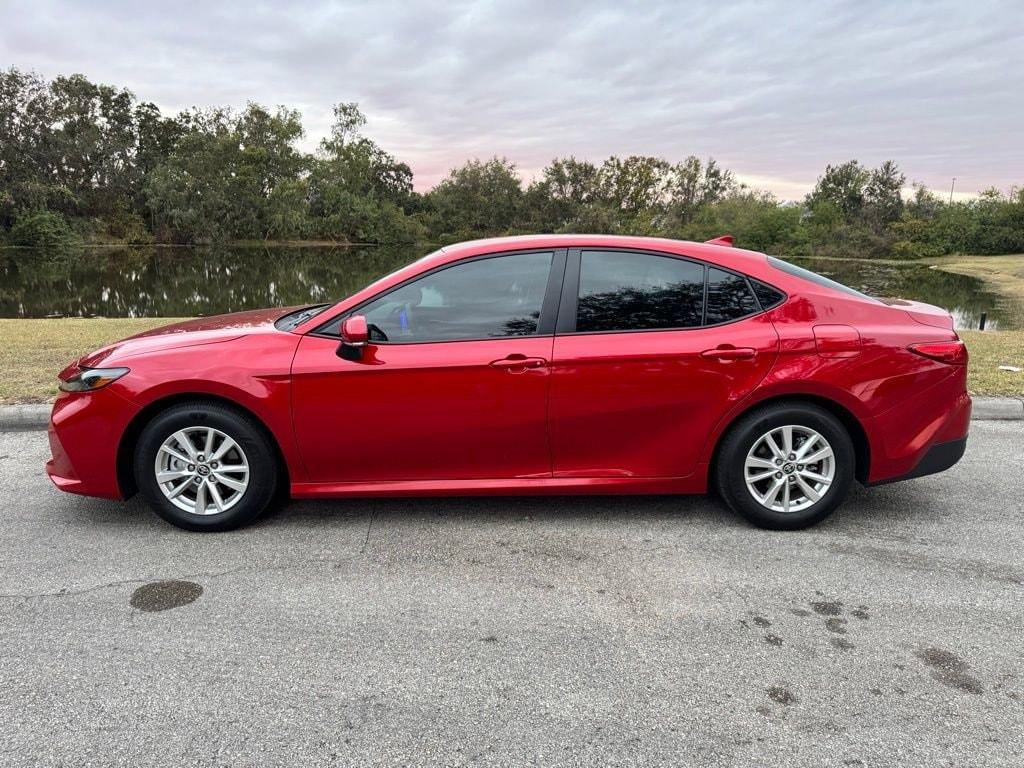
point(191, 467)
point(791, 457)
point(213, 465)
point(800, 467)
point(778, 474)
point(201, 457)
point(778, 462)
point(198, 481)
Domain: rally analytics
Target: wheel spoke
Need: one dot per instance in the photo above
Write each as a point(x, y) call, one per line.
point(218, 502)
point(787, 440)
point(769, 498)
point(769, 440)
point(208, 447)
point(785, 496)
point(201, 499)
point(814, 476)
point(814, 458)
point(230, 482)
point(223, 448)
point(761, 476)
point(176, 491)
point(185, 444)
point(171, 452)
point(171, 474)
point(809, 443)
point(809, 492)
point(756, 462)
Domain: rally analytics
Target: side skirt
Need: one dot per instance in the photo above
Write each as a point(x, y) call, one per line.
point(545, 486)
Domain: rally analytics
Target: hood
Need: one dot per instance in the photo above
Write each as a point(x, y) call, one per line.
point(190, 333)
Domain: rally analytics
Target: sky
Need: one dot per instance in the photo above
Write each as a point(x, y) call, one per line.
point(772, 90)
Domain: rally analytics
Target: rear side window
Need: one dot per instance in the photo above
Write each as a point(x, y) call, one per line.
point(637, 291)
point(814, 277)
point(729, 297)
point(767, 295)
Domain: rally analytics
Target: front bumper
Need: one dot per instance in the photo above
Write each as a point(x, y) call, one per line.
point(85, 432)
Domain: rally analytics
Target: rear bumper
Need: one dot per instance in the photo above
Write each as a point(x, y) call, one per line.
point(938, 458)
point(920, 437)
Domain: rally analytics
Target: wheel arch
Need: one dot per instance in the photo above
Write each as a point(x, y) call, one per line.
point(854, 428)
point(130, 436)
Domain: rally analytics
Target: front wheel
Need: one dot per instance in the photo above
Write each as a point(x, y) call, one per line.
point(205, 467)
point(786, 466)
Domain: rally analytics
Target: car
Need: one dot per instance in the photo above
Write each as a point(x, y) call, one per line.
point(568, 364)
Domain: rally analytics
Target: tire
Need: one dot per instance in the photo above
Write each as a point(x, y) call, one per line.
point(747, 453)
point(230, 496)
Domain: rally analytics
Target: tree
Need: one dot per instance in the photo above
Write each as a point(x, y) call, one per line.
point(478, 199)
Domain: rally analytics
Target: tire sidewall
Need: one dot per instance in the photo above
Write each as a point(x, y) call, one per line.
point(732, 458)
point(263, 468)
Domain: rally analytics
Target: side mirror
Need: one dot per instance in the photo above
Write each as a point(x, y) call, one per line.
point(354, 336)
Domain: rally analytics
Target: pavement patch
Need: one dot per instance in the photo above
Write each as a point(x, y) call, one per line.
point(165, 595)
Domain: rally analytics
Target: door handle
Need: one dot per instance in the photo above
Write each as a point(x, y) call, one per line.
point(730, 353)
point(514, 363)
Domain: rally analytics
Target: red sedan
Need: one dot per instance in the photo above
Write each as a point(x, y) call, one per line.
point(527, 365)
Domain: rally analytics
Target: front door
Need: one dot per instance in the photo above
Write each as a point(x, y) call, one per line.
point(453, 384)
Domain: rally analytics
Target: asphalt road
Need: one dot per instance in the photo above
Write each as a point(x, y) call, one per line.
point(607, 631)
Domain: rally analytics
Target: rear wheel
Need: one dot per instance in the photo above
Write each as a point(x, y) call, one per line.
point(205, 467)
point(786, 466)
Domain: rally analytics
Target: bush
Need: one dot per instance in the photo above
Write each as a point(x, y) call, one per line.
point(43, 229)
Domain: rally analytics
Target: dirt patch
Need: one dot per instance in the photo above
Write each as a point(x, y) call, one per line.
point(949, 669)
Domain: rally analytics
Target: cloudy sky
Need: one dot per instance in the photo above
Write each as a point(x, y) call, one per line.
point(773, 90)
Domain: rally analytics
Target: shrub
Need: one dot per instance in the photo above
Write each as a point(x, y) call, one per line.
point(43, 229)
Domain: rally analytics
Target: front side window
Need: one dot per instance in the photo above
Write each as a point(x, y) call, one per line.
point(729, 297)
point(622, 291)
point(480, 299)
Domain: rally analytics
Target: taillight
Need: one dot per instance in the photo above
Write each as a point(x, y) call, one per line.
point(950, 352)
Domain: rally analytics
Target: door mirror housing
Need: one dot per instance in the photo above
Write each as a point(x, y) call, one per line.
point(355, 334)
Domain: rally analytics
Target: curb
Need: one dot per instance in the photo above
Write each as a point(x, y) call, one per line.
point(23, 418)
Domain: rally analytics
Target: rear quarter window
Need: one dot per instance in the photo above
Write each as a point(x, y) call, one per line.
point(814, 277)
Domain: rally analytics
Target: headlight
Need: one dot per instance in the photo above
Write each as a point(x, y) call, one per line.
point(89, 379)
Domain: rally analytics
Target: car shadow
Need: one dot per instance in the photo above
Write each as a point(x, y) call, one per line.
point(866, 510)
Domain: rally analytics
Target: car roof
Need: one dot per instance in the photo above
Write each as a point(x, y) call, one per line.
point(748, 262)
point(713, 252)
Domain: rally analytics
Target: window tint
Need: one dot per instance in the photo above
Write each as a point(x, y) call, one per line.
point(767, 295)
point(479, 299)
point(814, 277)
point(729, 297)
point(636, 291)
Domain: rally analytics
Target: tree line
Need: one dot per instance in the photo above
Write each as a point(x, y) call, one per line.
point(83, 162)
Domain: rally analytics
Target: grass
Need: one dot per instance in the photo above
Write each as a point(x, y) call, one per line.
point(988, 350)
point(32, 352)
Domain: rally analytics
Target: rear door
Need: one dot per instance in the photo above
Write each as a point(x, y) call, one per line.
point(650, 351)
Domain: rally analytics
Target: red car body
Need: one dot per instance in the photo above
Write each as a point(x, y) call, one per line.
point(620, 412)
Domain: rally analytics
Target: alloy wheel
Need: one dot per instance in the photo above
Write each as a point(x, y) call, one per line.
point(789, 468)
point(202, 470)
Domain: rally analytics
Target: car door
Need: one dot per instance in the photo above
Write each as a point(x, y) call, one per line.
point(452, 385)
point(642, 369)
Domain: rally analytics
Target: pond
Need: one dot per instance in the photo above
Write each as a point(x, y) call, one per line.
point(185, 282)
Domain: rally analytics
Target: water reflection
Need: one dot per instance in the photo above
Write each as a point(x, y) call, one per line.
point(963, 296)
point(183, 282)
